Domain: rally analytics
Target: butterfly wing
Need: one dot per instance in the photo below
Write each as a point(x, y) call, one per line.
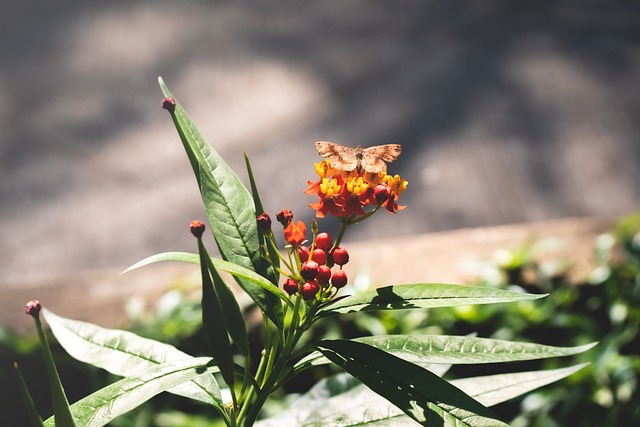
point(374, 158)
point(341, 157)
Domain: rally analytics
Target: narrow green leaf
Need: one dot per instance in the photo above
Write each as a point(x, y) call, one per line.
point(422, 295)
point(232, 315)
point(61, 410)
point(32, 412)
point(443, 349)
point(213, 322)
point(228, 206)
point(99, 408)
point(493, 389)
point(273, 254)
point(420, 394)
point(124, 353)
point(226, 266)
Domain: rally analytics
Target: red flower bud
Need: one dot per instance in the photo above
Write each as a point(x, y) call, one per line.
point(339, 279)
point(295, 233)
point(309, 270)
point(324, 274)
point(169, 104)
point(197, 228)
point(319, 256)
point(303, 253)
point(309, 290)
point(323, 241)
point(290, 286)
point(340, 256)
point(381, 193)
point(33, 308)
point(284, 217)
point(264, 222)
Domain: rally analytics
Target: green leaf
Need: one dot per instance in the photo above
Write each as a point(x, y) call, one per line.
point(233, 269)
point(99, 408)
point(493, 389)
point(61, 410)
point(32, 412)
point(230, 309)
point(215, 331)
point(124, 353)
point(420, 394)
point(228, 206)
point(342, 400)
point(443, 349)
point(422, 295)
point(273, 254)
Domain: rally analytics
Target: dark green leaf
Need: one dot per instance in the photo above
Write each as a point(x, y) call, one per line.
point(32, 412)
point(422, 295)
point(422, 395)
point(213, 322)
point(99, 408)
point(124, 353)
point(61, 409)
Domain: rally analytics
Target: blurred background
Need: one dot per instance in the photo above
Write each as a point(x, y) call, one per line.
point(507, 112)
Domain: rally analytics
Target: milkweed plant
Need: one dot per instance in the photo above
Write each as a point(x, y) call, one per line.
point(385, 380)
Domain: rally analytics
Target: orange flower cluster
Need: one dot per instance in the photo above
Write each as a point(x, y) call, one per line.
point(346, 194)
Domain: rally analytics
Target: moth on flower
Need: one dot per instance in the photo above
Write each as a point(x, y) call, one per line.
point(369, 159)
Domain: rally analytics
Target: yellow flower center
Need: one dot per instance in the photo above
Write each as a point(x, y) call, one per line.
point(329, 187)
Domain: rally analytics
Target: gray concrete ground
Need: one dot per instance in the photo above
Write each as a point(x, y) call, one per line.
point(507, 111)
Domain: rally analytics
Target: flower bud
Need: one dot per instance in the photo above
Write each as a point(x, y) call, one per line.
point(169, 104)
point(381, 193)
point(339, 279)
point(309, 290)
point(33, 308)
point(303, 253)
point(319, 256)
point(309, 270)
point(340, 256)
point(324, 274)
point(197, 228)
point(323, 241)
point(290, 286)
point(284, 217)
point(264, 222)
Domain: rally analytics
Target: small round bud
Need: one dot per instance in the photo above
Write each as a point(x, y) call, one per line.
point(290, 286)
point(264, 222)
point(340, 256)
point(197, 228)
point(339, 279)
point(284, 217)
point(169, 104)
point(303, 253)
point(33, 308)
point(324, 274)
point(319, 256)
point(309, 290)
point(323, 241)
point(309, 270)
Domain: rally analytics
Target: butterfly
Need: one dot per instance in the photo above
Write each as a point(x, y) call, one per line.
point(369, 159)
